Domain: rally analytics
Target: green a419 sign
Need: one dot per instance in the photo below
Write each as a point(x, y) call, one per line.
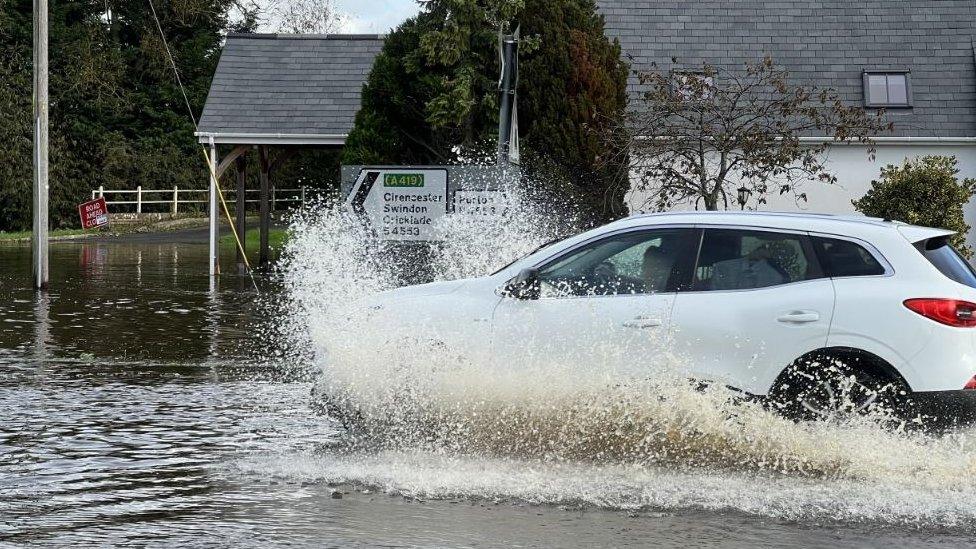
point(403, 180)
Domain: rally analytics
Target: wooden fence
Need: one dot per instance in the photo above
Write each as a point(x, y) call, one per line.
point(177, 197)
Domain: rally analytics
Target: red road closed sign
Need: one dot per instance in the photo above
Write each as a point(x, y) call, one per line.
point(93, 214)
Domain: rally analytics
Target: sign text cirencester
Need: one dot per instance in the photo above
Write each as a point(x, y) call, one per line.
point(401, 204)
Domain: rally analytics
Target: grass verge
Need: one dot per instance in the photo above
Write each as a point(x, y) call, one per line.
point(276, 240)
point(17, 236)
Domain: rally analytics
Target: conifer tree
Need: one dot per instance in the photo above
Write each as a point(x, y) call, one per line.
point(117, 118)
point(431, 97)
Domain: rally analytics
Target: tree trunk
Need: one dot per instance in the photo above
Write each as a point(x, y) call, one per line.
point(711, 202)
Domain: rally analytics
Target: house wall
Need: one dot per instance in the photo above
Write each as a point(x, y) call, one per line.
point(855, 171)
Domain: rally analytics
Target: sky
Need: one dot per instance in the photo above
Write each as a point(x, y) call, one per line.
point(375, 16)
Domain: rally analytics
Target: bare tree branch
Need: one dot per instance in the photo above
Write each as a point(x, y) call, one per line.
point(695, 135)
point(306, 16)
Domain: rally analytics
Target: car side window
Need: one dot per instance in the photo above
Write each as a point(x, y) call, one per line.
point(630, 263)
point(733, 259)
point(846, 258)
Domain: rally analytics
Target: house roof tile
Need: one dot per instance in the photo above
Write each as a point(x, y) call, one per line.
point(827, 43)
point(263, 79)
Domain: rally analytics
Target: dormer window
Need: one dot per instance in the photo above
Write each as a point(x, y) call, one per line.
point(888, 89)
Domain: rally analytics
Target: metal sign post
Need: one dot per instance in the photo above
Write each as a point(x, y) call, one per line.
point(507, 115)
point(39, 241)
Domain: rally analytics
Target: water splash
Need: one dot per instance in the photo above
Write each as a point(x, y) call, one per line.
point(436, 422)
point(474, 245)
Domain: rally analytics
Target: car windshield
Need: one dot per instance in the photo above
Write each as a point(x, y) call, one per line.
point(520, 258)
point(947, 260)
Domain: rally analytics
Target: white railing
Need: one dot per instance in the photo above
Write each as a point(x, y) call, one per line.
point(176, 196)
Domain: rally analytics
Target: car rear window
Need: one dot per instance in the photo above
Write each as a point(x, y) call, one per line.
point(846, 258)
point(947, 260)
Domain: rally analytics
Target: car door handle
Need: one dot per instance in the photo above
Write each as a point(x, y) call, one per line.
point(799, 317)
point(643, 322)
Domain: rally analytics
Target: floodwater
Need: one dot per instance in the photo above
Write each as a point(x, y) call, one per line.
point(139, 406)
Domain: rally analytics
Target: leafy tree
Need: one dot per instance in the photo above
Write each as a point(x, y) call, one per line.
point(432, 96)
point(572, 92)
point(697, 135)
point(117, 118)
point(15, 153)
point(924, 191)
point(391, 126)
point(152, 136)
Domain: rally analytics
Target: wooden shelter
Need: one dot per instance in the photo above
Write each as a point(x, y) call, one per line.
point(274, 94)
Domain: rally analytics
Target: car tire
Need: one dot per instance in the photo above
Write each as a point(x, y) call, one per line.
point(328, 405)
point(827, 388)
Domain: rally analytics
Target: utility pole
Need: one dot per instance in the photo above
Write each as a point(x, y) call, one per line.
point(39, 242)
point(506, 90)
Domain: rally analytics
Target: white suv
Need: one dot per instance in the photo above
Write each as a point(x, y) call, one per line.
point(826, 313)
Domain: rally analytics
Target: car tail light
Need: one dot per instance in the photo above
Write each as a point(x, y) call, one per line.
point(951, 312)
point(971, 384)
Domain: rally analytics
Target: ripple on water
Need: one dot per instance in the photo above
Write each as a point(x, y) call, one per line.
point(133, 427)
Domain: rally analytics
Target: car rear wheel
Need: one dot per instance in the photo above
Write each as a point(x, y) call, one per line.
point(830, 389)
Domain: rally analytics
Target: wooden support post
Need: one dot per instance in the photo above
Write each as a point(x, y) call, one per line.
point(176, 199)
point(265, 210)
point(214, 220)
point(241, 211)
point(138, 199)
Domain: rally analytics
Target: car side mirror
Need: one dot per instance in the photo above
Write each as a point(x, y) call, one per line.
point(525, 286)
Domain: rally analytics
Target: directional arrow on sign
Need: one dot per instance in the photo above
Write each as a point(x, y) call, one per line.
point(364, 184)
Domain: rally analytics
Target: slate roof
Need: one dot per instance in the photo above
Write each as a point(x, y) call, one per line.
point(822, 42)
point(288, 84)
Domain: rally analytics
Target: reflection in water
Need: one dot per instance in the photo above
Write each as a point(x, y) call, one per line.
point(144, 301)
point(42, 326)
point(213, 320)
point(125, 386)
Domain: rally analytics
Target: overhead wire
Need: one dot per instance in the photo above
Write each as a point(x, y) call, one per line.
point(206, 155)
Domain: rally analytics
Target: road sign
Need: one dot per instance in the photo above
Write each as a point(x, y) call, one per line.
point(485, 203)
point(402, 204)
point(94, 214)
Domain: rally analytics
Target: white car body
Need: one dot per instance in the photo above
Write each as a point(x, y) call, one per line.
point(744, 338)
